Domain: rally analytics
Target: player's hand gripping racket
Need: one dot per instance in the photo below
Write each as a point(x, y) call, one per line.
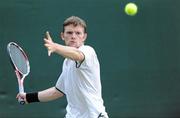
point(20, 63)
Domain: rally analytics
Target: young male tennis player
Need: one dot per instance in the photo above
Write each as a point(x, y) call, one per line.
point(80, 77)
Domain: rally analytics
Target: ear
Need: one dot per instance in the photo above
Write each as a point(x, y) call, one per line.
point(62, 36)
point(85, 36)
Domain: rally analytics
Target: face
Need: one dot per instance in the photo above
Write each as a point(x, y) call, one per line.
point(74, 36)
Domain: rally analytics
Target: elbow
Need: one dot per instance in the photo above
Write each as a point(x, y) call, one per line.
point(79, 56)
point(57, 93)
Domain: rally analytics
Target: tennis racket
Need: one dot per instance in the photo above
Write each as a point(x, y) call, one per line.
point(20, 62)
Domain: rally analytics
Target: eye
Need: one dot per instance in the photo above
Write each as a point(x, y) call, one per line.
point(78, 33)
point(69, 32)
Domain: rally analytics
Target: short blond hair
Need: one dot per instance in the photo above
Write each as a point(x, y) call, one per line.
point(74, 20)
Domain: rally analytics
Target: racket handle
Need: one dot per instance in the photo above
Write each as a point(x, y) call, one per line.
point(21, 101)
point(21, 90)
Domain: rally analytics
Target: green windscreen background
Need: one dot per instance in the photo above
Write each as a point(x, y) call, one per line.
point(139, 55)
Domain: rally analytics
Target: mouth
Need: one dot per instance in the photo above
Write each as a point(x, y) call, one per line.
point(72, 43)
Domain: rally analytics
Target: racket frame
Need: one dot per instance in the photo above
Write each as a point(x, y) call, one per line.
point(20, 75)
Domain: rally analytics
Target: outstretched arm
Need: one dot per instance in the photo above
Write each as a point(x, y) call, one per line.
point(49, 94)
point(65, 51)
point(42, 96)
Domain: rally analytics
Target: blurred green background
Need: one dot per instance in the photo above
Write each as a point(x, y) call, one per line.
point(139, 56)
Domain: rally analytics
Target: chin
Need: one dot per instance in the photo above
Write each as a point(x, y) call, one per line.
point(75, 46)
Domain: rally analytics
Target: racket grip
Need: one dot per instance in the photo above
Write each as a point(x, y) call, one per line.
point(21, 101)
point(21, 90)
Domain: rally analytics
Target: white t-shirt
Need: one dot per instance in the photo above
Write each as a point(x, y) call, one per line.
point(81, 84)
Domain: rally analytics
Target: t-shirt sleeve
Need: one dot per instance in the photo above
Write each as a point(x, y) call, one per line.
point(89, 57)
point(60, 84)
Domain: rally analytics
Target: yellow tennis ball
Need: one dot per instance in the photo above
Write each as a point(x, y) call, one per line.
point(131, 9)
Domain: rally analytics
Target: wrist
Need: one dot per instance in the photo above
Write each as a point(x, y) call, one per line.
point(32, 97)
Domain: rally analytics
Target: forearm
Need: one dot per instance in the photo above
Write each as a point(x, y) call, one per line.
point(69, 52)
point(42, 96)
point(49, 94)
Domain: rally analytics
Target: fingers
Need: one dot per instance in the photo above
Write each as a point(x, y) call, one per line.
point(48, 43)
point(21, 96)
point(48, 36)
point(49, 53)
point(17, 96)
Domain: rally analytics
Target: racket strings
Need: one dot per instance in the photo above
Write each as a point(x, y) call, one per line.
point(19, 59)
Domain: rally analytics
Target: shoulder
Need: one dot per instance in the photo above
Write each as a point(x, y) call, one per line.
point(87, 49)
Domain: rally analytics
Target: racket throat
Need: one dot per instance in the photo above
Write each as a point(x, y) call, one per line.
point(21, 86)
point(21, 89)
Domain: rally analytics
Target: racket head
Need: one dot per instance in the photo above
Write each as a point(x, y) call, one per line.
point(18, 58)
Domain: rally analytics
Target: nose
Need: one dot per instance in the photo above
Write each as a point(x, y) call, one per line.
point(73, 35)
